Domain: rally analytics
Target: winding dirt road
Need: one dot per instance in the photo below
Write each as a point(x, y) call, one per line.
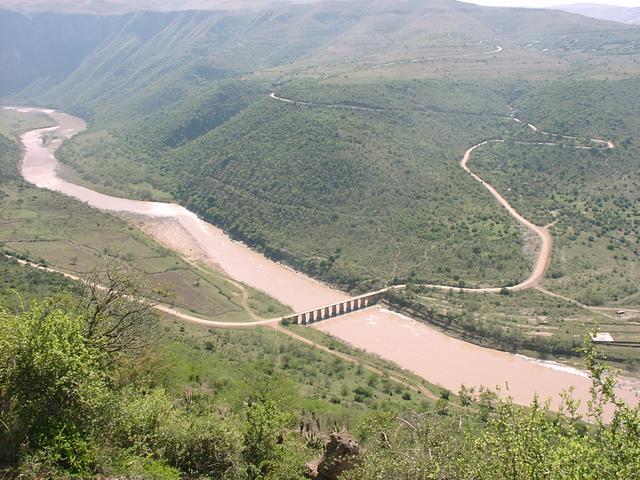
point(497, 49)
point(542, 232)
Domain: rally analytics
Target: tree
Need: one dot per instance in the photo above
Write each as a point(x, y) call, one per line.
point(118, 308)
point(52, 388)
point(267, 454)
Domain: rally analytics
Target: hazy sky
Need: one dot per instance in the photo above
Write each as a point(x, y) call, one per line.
point(549, 3)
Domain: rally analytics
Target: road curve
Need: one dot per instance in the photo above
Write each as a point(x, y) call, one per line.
point(496, 49)
point(161, 307)
point(546, 240)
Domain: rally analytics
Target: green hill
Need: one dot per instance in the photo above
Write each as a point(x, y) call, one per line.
point(178, 108)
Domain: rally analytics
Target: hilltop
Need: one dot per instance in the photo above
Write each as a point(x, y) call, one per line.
point(604, 12)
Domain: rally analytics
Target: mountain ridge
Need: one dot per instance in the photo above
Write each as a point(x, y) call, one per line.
point(614, 13)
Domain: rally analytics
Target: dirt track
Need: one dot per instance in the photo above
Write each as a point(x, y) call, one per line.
point(546, 240)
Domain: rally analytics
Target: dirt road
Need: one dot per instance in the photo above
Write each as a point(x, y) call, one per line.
point(546, 240)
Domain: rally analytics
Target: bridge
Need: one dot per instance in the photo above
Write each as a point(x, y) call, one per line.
point(335, 309)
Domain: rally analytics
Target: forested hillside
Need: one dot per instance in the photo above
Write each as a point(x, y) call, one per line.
point(171, 119)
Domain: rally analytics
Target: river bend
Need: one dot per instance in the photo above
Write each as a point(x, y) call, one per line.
point(412, 345)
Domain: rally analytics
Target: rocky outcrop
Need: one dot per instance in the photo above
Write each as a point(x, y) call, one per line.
point(341, 453)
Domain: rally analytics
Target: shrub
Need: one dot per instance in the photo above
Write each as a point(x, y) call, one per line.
point(52, 386)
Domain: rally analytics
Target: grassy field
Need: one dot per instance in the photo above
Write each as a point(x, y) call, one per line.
point(13, 123)
point(224, 361)
point(54, 230)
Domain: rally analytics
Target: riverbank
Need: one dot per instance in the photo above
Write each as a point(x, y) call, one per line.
point(427, 348)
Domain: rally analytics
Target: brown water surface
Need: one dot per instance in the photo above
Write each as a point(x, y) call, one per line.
point(450, 362)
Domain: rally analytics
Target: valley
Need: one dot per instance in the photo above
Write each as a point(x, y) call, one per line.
point(192, 243)
point(294, 289)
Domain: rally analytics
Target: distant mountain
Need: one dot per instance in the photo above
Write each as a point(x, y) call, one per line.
point(112, 7)
point(604, 12)
point(85, 59)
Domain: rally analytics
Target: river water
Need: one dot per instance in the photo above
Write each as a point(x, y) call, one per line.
point(417, 347)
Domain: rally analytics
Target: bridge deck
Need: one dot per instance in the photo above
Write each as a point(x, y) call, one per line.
point(335, 309)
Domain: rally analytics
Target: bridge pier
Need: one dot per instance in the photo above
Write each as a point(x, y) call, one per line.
point(334, 310)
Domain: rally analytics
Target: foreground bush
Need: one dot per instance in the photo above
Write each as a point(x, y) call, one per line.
point(52, 389)
point(517, 443)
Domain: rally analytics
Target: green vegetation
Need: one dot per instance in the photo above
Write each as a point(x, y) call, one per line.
point(528, 322)
point(254, 405)
point(379, 193)
point(21, 285)
point(370, 176)
point(360, 187)
point(122, 159)
point(591, 196)
point(52, 229)
point(359, 175)
point(190, 404)
point(516, 443)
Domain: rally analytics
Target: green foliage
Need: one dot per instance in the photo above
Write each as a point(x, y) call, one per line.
point(52, 388)
point(194, 440)
point(589, 196)
point(362, 183)
point(21, 285)
point(265, 452)
point(143, 468)
point(142, 431)
point(358, 197)
point(9, 156)
point(516, 443)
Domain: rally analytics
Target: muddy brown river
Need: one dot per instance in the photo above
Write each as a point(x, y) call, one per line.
point(417, 347)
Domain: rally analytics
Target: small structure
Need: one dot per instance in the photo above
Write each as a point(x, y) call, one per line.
point(605, 338)
point(601, 337)
point(335, 309)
